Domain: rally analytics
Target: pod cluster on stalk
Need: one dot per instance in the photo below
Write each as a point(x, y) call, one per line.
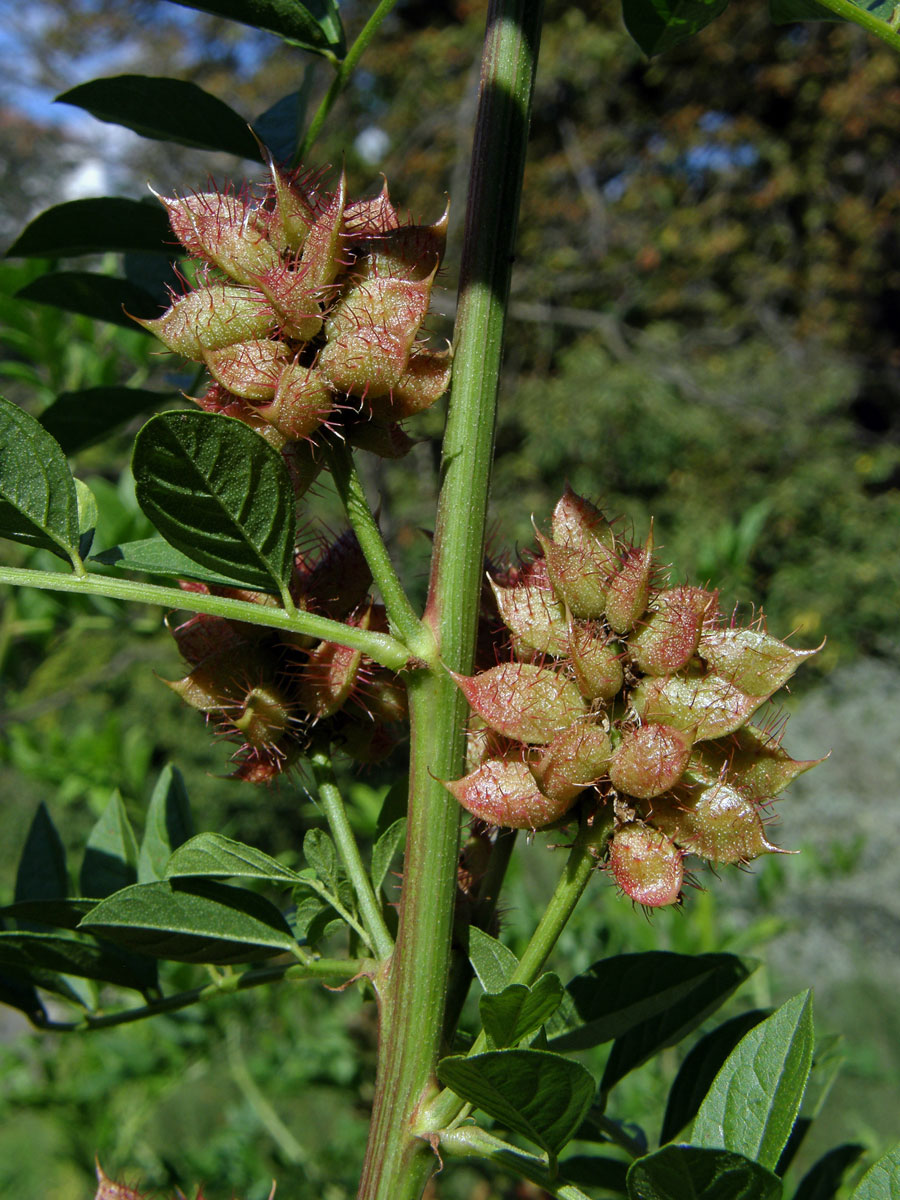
point(307, 311)
point(280, 694)
point(626, 699)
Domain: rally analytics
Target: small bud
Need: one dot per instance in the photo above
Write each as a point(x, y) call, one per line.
point(322, 249)
point(649, 760)
point(580, 526)
point(329, 677)
point(505, 794)
point(423, 382)
point(523, 702)
point(671, 633)
point(646, 865)
point(717, 822)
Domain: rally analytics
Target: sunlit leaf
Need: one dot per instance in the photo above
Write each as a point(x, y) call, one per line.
point(754, 1100)
point(169, 110)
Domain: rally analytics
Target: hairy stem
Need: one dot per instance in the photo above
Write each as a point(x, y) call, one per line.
point(380, 647)
point(398, 1164)
point(404, 622)
point(336, 815)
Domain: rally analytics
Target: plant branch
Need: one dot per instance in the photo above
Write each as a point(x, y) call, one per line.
point(472, 1142)
point(404, 622)
point(321, 968)
point(342, 74)
point(850, 11)
point(380, 647)
point(333, 806)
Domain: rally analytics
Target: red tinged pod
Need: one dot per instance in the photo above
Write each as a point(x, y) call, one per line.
point(646, 865)
point(526, 703)
point(505, 794)
point(649, 760)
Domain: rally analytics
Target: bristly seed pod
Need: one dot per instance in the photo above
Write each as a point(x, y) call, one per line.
point(649, 738)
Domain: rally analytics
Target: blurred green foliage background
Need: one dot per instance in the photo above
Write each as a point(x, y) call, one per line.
point(703, 332)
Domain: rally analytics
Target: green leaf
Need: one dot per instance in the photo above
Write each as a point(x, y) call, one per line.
point(754, 1100)
point(211, 855)
point(154, 556)
point(491, 961)
point(169, 824)
point(93, 227)
point(88, 516)
point(314, 919)
point(628, 991)
point(658, 25)
point(540, 1095)
point(78, 419)
point(281, 126)
point(700, 1068)
point(385, 849)
point(824, 1178)
point(196, 922)
point(512, 1014)
point(169, 110)
point(38, 501)
point(319, 852)
point(692, 1173)
point(17, 991)
point(71, 956)
point(315, 25)
point(63, 913)
point(219, 493)
point(111, 854)
point(101, 297)
point(595, 1171)
point(41, 874)
point(882, 1180)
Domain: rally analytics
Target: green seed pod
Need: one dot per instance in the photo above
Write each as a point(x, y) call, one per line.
point(646, 865)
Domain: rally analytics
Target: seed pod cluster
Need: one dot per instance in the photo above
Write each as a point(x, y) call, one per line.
point(277, 695)
point(308, 310)
point(626, 693)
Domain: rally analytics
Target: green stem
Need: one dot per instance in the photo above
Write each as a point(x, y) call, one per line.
point(404, 622)
point(861, 16)
point(580, 864)
point(322, 968)
point(333, 806)
point(342, 74)
point(472, 1142)
point(398, 1164)
point(380, 647)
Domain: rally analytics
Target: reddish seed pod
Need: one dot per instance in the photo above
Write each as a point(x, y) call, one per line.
point(505, 794)
point(526, 703)
point(646, 865)
point(649, 760)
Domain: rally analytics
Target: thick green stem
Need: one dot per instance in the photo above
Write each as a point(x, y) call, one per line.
point(404, 622)
point(398, 1164)
point(380, 647)
point(336, 815)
